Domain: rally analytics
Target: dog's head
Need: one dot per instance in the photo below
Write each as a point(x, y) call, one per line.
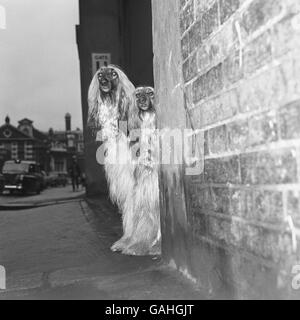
point(110, 97)
point(144, 97)
point(108, 80)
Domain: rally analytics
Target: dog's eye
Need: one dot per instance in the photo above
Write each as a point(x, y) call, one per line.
point(114, 74)
point(150, 94)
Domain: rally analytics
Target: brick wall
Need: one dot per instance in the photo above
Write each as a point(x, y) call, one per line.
point(241, 74)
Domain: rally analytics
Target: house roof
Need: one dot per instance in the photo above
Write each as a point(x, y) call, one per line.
point(7, 131)
point(25, 120)
point(38, 134)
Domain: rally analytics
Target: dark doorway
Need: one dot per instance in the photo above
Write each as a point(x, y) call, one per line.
point(136, 30)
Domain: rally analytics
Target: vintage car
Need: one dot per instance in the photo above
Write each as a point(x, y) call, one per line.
point(23, 176)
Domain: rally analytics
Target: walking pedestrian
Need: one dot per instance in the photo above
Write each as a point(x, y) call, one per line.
point(75, 174)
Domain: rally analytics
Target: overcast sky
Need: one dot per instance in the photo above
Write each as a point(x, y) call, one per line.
point(39, 65)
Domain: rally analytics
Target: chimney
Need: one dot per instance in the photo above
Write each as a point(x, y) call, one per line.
point(68, 122)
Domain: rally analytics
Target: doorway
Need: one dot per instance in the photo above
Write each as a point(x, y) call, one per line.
point(136, 30)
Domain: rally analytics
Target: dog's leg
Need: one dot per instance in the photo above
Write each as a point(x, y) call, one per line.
point(145, 239)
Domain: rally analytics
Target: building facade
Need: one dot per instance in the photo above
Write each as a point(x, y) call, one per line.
point(52, 150)
point(64, 145)
point(23, 142)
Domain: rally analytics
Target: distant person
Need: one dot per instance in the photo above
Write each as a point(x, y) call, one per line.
point(83, 180)
point(75, 174)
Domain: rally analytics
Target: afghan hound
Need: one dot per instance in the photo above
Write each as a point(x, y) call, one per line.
point(144, 217)
point(110, 100)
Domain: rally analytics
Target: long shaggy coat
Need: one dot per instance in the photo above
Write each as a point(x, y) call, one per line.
point(133, 183)
point(105, 113)
point(142, 215)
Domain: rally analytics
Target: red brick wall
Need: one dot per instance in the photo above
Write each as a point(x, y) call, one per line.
point(241, 73)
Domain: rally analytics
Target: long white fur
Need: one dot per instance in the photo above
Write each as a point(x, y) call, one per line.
point(144, 219)
point(133, 185)
point(106, 114)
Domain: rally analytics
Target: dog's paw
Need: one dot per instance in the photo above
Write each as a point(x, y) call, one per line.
point(119, 245)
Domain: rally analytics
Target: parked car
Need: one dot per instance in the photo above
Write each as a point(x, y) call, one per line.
point(1, 183)
point(23, 176)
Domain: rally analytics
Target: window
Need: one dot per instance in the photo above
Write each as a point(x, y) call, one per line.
point(11, 167)
point(7, 133)
point(59, 166)
point(71, 143)
point(80, 147)
point(14, 150)
point(28, 150)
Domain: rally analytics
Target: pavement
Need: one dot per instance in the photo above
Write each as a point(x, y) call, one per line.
point(62, 251)
point(47, 197)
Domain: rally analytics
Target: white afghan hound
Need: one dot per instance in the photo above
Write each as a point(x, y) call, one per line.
point(144, 218)
point(110, 99)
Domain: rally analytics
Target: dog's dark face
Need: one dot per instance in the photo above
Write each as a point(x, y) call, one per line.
point(108, 80)
point(144, 98)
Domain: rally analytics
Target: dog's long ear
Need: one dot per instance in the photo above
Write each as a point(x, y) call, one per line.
point(122, 104)
point(93, 96)
point(134, 121)
point(125, 97)
point(152, 96)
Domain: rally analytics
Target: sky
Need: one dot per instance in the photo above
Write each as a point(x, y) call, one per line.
point(39, 64)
